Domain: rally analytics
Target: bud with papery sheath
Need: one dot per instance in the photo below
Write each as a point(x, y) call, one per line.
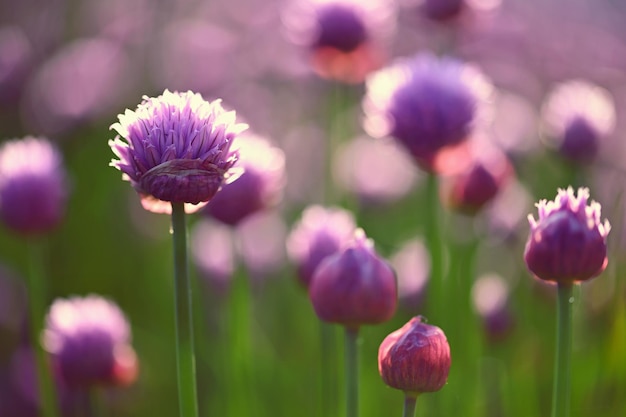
point(568, 242)
point(415, 358)
point(355, 286)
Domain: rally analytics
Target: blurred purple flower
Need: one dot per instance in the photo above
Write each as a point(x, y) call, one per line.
point(319, 233)
point(33, 185)
point(441, 9)
point(568, 242)
point(490, 296)
point(261, 239)
point(577, 117)
point(177, 149)
point(89, 340)
point(393, 178)
point(212, 250)
point(85, 80)
point(344, 37)
point(15, 62)
point(354, 286)
point(12, 302)
point(259, 187)
point(427, 104)
point(412, 265)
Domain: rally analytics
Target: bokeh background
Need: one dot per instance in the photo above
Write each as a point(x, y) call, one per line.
point(68, 67)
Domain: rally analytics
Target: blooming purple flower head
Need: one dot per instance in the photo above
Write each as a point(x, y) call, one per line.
point(426, 103)
point(343, 36)
point(415, 358)
point(355, 286)
point(89, 340)
point(33, 186)
point(319, 233)
point(567, 243)
point(260, 185)
point(177, 149)
point(577, 117)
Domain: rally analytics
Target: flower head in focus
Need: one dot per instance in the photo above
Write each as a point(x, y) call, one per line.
point(577, 117)
point(354, 286)
point(320, 232)
point(33, 185)
point(567, 243)
point(427, 104)
point(89, 340)
point(415, 358)
point(344, 37)
point(260, 186)
point(177, 148)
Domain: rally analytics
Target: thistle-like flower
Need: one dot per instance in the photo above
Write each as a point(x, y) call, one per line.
point(567, 243)
point(415, 358)
point(427, 104)
point(177, 148)
point(260, 186)
point(319, 233)
point(33, 186)
point(577, 117)
point(354, 286)
point(89, 340)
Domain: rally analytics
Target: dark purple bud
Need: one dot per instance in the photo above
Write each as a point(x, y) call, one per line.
point(442, 9)
point(567, 243)
point(355, 286)
point(415, 358)
point(341, 27)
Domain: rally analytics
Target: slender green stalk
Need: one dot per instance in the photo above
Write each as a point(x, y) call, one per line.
point(328, 358)
point(409, 404)
point(562, 368)
point(352, 372)
point(432, 232)
point(95, 402)
point(185, 359)
point(35, 282)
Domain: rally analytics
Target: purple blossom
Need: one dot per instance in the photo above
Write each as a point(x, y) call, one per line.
point(177, 148)
point(577, 117)
point(319, 233)
point(490, 296)
point(427, 104)
point(33, 186)
point(89, 340)
point(568, 242)
point(355, 286)
point(260, 186)
point(441, 9)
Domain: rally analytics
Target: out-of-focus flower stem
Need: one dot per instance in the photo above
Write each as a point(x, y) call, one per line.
point(432, 234)
point(410, 398)
point(95, 402)
point(352, 371)
point(562, 368)
point(36, 296)
point(185, 358)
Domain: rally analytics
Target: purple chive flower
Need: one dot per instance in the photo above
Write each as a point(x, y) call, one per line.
point(343, 36)
point(577, 117)
point(319, 233)
point(16, 57)
point(568, 242)
point(89, 340)
point(177, 148)
point(441, 9)
point(355, 286)
point(415, 358)
point(260, 186)
point(427, 104)
point(33, 186)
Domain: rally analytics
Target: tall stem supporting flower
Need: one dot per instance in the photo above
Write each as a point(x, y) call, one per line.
point(36, 296)
point(352, 372)
point(562, 368)
point(185, 358)
point(410, 399)
point(432, 234)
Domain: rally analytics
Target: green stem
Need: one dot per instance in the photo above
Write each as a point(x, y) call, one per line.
point(409, 404)
point(433, 241)
point(328, 357)
point(95, 402)
point(185, 360)
point(37, 294)
point(562, 368)
point(352, 372)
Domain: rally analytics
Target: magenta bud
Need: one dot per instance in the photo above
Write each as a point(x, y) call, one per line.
point(355, 286)
point(415, 358)
point(567, 243)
